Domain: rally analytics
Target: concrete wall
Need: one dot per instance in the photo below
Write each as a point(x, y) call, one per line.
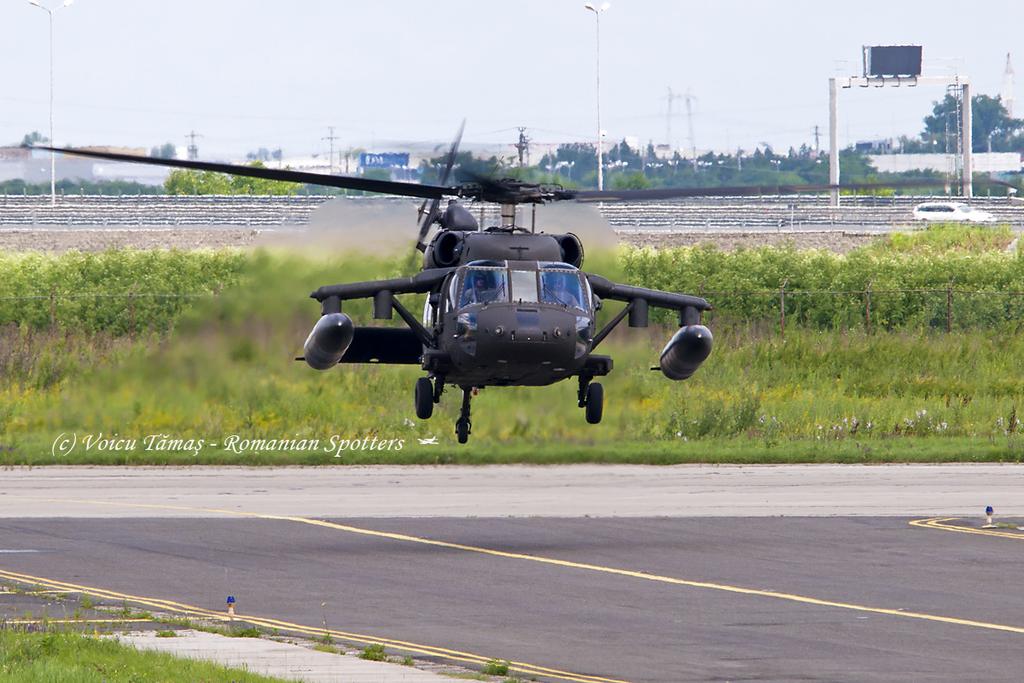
point(984, 162)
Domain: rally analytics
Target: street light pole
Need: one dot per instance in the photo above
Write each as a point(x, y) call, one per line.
point(53, 155)
point(600, 134)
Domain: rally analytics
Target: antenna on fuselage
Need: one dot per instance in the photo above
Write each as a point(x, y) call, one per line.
point(508, 216)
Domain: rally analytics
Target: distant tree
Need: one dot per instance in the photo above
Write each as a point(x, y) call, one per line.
point(185, 181)
point(634, 180)
point(466, 166)
point(33, 138)
point(245, 185)
point(101, 187)
point(164, 151)
point(262, 154)
point(992, 130)
point(182, 181)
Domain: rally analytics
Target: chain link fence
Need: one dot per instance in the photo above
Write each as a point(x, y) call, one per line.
point(946, 309)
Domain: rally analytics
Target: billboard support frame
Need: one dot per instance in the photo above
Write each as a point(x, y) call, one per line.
point(846, 82)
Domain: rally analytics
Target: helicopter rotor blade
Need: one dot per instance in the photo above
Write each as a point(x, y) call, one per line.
point(429, 217)
point(323, 179)
point(741, 191)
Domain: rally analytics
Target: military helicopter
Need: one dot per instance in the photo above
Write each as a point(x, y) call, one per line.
point(505, 306)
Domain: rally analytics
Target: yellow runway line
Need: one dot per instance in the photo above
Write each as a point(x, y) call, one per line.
point(539, 559)
point(941, 523)
point(269, 623)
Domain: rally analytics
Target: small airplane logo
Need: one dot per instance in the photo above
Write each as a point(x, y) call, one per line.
point(431, 441)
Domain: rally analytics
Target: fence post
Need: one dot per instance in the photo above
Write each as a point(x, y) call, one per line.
point(949, 308)
point(782, 309)
point(867, 308)
point(53, 307)
point(131, 314)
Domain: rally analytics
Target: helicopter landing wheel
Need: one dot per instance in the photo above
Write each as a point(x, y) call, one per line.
point(424, 397)
point(595, 403)
point(462, 425)
point(462, 429)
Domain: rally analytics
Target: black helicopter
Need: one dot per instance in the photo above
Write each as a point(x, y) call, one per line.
point(506, 306)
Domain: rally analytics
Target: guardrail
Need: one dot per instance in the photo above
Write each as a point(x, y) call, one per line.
point(699, 213)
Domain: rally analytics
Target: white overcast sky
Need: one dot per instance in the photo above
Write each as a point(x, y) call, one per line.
point(252, 73)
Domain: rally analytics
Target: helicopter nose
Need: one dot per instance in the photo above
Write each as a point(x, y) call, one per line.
point(527, 334)
point(528, 326)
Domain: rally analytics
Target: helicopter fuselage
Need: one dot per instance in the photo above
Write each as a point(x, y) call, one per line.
point(502, 323)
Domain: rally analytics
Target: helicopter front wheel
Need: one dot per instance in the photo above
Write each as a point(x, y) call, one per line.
point(462, 430)
point(462, 425)
point(594, 403)
point(424, 398)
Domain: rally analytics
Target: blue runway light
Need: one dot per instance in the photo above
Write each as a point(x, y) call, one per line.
point(988, 518)
point(231, 599)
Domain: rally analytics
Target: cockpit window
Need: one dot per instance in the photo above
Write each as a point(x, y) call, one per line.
point(562, 287)
point(483, 286)
point(524, 286)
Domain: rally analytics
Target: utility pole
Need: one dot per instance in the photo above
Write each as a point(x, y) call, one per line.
point(331, 137)
point(817, 140)
point(600, 133)
point(966, 141)
point(670, 98)
point(833, 139)
point(193, 149)
point(689, 124)
point(523, 146)
point(53, 155)
point(1007, 93)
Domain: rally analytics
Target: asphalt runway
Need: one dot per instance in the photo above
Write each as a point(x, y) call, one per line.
point(578, 599)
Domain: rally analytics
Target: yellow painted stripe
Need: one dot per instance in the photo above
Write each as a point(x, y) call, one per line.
point(405, 646)
point(942, 523)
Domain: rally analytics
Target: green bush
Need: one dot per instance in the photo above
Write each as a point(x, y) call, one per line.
point(898, 287)
point(116, 291)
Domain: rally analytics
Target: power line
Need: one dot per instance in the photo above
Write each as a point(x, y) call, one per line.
point(193, 149)
point(330, 137)
point(523, 146)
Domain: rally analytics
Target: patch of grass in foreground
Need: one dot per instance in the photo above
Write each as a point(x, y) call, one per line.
point(65, 657)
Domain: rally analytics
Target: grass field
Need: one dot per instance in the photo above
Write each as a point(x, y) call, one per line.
point(221, 372)
point(67, 657)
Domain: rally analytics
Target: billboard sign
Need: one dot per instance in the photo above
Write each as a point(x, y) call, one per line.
point(892, 60)
point(384, 159)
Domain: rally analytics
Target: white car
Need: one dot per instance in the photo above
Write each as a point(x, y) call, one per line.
point(951, 212)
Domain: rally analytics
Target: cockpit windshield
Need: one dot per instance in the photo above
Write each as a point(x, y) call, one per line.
point(483, 285)
point(562, 287)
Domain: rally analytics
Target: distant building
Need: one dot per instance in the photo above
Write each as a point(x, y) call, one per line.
point(874, 146)
point(33, 166)
point(984, 162)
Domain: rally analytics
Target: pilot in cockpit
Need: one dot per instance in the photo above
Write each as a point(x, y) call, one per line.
point(480, 288)
point(557, 289)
